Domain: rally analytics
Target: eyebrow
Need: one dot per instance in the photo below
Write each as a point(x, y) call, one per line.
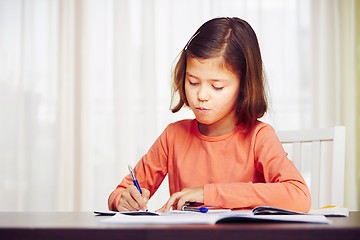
point(213, 79)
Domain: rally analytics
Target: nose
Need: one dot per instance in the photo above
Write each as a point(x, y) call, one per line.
point(203, 94)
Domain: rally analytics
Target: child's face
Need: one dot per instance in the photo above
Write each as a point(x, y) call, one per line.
point(212, 91)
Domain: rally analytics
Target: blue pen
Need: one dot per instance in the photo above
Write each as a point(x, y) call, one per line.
point(135, 181)
point(194, 207)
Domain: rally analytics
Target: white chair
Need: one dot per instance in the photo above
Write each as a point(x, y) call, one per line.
point(319, 155)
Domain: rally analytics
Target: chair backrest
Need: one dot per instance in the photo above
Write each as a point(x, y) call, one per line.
point(319, 155)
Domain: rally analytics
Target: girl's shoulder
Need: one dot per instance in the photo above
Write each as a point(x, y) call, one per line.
point(182, 123)
point(264, 134)
point(261, 125)
point(179, 130)
point(262, 129)
point(180, 127)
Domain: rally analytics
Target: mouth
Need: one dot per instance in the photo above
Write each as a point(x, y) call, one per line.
point(202, 109)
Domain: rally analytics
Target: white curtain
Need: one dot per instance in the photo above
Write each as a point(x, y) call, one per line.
point(85, 86)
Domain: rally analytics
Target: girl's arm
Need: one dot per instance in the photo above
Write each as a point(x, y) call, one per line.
point(283, 185)
point(150, 172)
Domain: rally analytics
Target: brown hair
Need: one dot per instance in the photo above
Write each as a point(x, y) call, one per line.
point(236, 42)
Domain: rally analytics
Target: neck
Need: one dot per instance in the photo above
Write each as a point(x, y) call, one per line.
point(215, 129)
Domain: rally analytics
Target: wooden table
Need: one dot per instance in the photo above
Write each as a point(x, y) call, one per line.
point(85, 225)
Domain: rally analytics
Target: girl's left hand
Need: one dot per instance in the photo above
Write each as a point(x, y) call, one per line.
point(177, 200)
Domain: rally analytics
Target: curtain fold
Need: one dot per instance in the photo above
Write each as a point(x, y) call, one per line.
point(349, 55)
point(66, 104)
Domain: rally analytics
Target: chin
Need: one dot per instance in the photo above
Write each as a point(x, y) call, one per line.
point(204, 122)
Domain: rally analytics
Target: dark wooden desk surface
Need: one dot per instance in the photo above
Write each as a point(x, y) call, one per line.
point(84, 225)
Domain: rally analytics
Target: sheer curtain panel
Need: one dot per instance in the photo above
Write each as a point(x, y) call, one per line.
point(85, 86)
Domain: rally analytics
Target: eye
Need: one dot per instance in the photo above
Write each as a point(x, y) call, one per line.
point(218, 88)
point(193, 83)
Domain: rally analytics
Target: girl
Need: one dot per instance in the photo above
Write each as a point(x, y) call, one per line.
point(225, 157)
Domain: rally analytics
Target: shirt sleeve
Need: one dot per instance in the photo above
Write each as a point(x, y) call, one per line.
point(283, 185)
point(150, 171)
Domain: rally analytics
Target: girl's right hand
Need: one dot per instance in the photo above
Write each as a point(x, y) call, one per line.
point(132, 200)
point(178, 199)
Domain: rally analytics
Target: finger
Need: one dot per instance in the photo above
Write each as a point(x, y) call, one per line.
point(127, 198)
point(124, 204)
point(138, 200)
point(146, 197)
point(172, 201)
point(146, 194)
point(181, 202)
point(161, 210)
point(190, 195)
point(168, 205)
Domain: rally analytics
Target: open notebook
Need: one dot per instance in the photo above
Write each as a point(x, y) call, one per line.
point(328, 211)
point(259, 214)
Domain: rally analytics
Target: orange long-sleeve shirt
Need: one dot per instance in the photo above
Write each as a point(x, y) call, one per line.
point(237, 171)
